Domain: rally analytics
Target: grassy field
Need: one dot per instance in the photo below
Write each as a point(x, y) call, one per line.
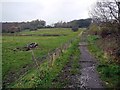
point(47, 73)
point(14, 60)
point(48, 31)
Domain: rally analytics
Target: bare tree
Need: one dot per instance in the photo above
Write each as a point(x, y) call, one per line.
point(106, 11)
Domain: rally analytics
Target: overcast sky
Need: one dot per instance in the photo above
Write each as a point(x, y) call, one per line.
point(49, 10)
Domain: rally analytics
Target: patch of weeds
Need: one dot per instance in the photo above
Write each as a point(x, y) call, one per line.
point(75, 60)
point(110, 74)
point(92, 38)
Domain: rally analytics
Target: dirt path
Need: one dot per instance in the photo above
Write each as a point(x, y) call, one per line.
point(89, 77)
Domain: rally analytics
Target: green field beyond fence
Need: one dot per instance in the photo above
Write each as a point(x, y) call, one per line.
point(14, 60)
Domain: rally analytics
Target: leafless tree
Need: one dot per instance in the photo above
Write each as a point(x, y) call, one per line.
point(106, 11)
point(106, 14)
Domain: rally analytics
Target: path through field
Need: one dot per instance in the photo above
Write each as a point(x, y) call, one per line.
point(89, 77)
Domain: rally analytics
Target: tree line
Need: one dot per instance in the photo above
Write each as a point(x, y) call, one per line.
point(11, 27)
point(81, 23)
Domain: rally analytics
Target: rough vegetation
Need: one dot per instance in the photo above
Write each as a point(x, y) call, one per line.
point(103, 36)
point(108, 69)
point(14, 61)
point(106, 24)
point(44, 77)
point(67, 78)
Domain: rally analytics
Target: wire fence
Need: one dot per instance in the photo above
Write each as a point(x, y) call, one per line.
point(51, 57)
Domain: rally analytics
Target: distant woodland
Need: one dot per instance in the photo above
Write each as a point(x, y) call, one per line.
point(12, 27)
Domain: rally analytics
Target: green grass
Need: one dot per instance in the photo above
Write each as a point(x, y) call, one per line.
point(47, 73)
point(109, 71)
point(94, 48)
point(49, 31)
point(75, 60)
point(14, 61)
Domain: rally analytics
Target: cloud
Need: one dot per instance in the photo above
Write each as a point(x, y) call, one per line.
point(48, 10)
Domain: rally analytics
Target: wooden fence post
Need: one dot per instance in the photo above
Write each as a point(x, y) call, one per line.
point(36, 63)
point(53, 59)
point(50, 59)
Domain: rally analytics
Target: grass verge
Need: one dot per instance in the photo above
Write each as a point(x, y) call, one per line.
point(109, 71)
point(75, 60)
point(65, 77)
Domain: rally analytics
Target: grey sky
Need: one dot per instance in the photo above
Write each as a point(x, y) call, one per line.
point(49, 10)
